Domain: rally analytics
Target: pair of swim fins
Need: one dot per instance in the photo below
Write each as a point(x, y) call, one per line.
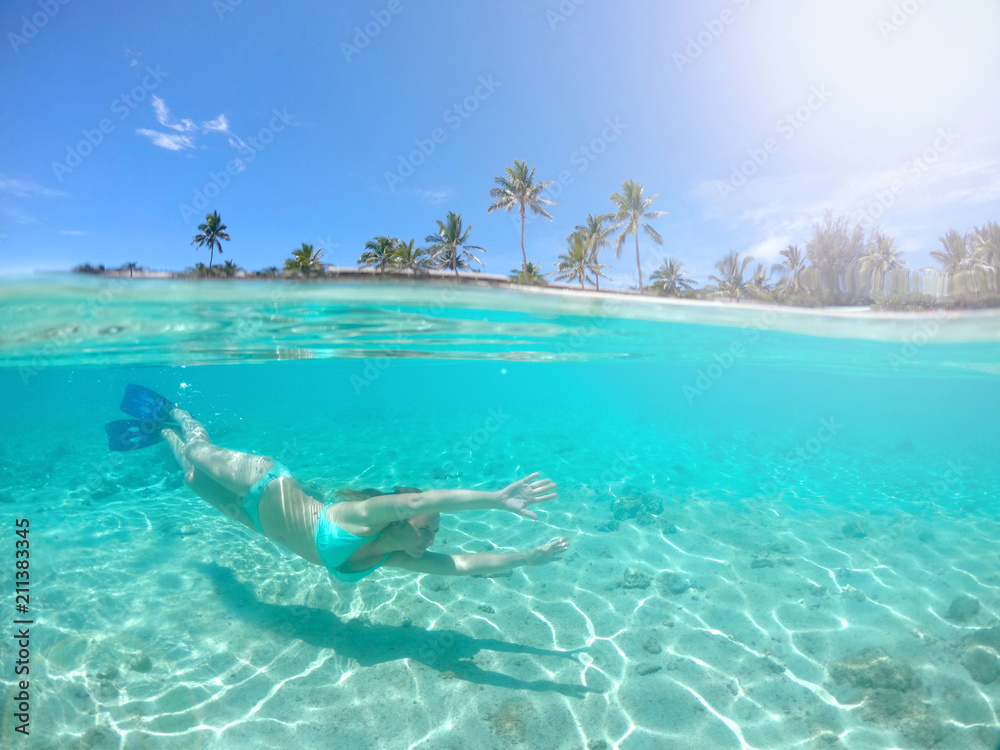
point(151, 412)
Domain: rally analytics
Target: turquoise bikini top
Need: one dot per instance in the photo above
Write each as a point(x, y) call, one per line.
point(334, 546)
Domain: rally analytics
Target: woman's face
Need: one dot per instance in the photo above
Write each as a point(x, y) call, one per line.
point(423, 530)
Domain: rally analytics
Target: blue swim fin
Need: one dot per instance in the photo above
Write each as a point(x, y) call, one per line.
point(143, 403)
point(132, 434)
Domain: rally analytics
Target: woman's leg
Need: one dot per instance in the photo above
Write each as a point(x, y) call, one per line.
point(235, 471)
point(213, 493)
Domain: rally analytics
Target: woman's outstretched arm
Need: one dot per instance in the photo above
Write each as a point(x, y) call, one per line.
point(516, 498)
point(479, 563)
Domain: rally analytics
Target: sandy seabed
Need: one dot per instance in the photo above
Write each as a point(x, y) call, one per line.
point(698, 618)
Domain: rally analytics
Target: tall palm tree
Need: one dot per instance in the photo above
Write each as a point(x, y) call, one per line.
point(956, 256)
point(595, 236)
point(406, 255)
point(518, 188)
point(531, 275)
point(758, 285)
point(881, 256)
point(731, 280)
point(305, 260)
point(791, 267)
point(448, 245)
point(574, 264)
point(835, 245)
point(632, 211)
point(669, 278)
point(378, 252)
point(211, 233)
point(986, 241)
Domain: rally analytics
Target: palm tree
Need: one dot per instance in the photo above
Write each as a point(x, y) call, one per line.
point(791, 267)
point(405, 255)
point(669, 278)
point(956, 256)
point(595, 236)
point(575, 263)
point(378, 252)
point(519, 188)
point(229, 269)
point(305, 260)
point(758, 285)
point(210, 233)
point(881, 257)
point(447, 245)
point(731, 282)
point(632, 210)
point(986, 241)
point(131, 267)
point(832, 249)
point(530, 275)
point(201, 270)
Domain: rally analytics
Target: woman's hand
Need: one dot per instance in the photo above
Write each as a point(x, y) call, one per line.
point(524, 492)
point(548, 552)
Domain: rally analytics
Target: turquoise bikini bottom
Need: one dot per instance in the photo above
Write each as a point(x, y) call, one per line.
point(252, 499)
point(333, 544)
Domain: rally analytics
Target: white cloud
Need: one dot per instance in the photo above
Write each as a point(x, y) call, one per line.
point(28, 189)
point(434, 196)
point(163, 117)
point(914, 198)
point(219, 125)
point(133, 57)
point(185, 128)
point(16, 214)
point(768, 251)
point(11, 190)
point(169, 142)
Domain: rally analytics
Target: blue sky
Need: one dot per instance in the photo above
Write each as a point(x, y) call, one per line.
point(330, 123)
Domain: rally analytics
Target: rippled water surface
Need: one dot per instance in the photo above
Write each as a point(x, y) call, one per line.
point(784, 524)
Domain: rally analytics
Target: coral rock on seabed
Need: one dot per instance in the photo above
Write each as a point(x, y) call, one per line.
point(963, 607)
point(981, 655)
point(634, 501)
point(645, 518)
point(636, 579)
point(671, 584)
point(509, 721)
point(891, 695)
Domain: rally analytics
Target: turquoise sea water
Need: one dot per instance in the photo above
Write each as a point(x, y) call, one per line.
point(778, 519)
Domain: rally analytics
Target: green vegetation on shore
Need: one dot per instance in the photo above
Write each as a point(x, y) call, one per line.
point(839, 265)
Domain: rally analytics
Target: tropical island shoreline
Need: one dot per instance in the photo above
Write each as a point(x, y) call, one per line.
point(842, 264)
point(906, 302)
